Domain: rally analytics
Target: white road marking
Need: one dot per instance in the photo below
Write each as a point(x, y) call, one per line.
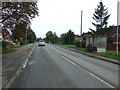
point(85, 70)
point(101, 80)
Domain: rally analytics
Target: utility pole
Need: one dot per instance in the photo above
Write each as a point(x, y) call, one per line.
point(81, 28)
point(81, 24)
point(118, 11)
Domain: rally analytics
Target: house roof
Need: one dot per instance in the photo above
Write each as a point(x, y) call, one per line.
point(115, 30)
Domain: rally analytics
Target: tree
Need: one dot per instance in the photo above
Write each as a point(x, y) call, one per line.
point(68, 38)
point(100, 16)
point(54, 38)
point(15, 13)
point(19, 31)
point(51, 37)
point(39, 39)
point(31, 37)
point(48, 36)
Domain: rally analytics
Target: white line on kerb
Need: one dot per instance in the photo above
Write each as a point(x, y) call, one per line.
point(68, 60)
point(101, 80)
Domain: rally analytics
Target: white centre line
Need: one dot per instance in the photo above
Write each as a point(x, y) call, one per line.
point(101, 80)
point(85, 70)
point(68, 60)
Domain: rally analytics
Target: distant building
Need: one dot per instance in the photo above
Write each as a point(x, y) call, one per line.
point(77, 37)
point(83, 37)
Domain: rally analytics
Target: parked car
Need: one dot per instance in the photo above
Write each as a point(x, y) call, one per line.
point(41, 43)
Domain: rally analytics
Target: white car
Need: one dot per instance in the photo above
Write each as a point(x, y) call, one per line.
point(41, 43)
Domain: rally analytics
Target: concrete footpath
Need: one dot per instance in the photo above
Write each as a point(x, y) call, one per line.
point(94, 55)
point(13, 62)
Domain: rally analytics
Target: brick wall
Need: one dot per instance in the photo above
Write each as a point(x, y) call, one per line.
point(112, 47)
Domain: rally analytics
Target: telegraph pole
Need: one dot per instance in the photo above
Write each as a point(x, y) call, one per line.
point(81, 28)
point(118, 11)
point(81, 23)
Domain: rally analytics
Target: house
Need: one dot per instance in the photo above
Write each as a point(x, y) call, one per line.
point(112, 40)
point(77, 37)
point(82, 37)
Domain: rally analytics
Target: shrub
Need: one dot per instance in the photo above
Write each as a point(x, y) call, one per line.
point(4, 44)
point(77, 43)
point(83, 44)
point(22, 42)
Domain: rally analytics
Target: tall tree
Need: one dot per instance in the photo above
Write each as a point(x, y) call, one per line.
point(68, 38)
point(51, 37)
point(31, 37)
point(15, 13)
point(100, 16)
point(54, 38)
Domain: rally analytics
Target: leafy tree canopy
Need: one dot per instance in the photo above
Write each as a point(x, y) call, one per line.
point(51, 37)
point(68, 38)
point(15, 13)
point(31, 37)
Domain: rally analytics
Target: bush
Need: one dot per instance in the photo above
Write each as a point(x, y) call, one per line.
point(4, 44)
point(77, 43)
point(83, 44)
point(22, 42)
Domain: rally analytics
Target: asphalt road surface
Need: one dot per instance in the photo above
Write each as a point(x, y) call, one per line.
point(54, 67)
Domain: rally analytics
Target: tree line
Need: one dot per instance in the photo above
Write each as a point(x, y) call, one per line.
point(65, 38)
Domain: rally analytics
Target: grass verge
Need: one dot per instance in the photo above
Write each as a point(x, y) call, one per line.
point(72, 46)
point(108, 54)
point(8, 50)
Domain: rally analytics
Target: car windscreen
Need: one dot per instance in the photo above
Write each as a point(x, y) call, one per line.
point(41, 40)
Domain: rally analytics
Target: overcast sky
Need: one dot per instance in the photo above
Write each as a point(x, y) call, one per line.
point(61, 15)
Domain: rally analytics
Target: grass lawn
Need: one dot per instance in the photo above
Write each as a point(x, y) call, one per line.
point(72, 46)
point(18, 46)
point(8, 50)
point(109, 54)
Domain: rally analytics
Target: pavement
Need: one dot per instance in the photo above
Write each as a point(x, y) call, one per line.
point(13, 62)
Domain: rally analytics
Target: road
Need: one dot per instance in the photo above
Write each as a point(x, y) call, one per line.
point(54, 67)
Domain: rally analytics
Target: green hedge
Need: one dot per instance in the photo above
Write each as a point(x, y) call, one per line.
point(4, 44)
